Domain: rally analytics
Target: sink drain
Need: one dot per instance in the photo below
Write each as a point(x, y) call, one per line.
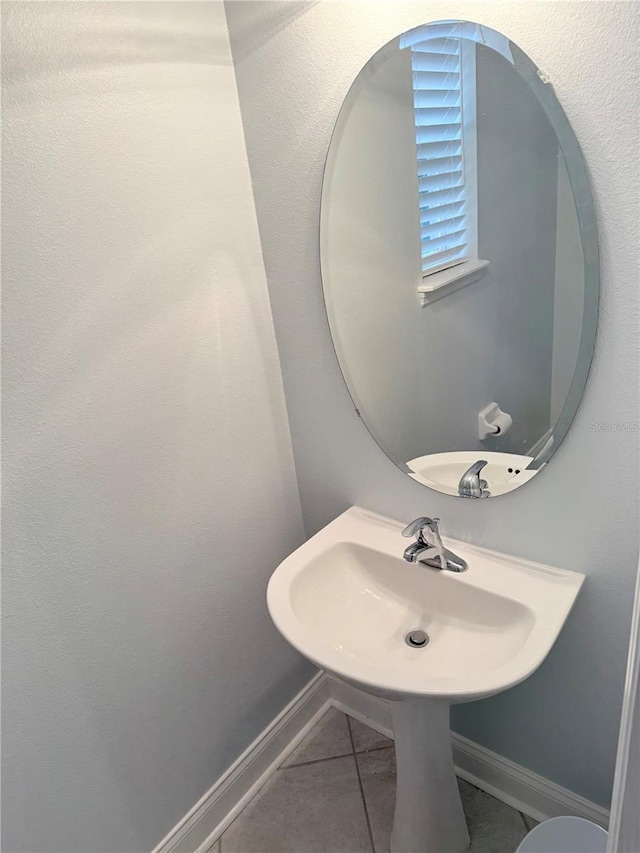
point(417, 638)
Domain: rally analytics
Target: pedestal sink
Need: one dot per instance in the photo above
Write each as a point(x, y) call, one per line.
point(348, 601)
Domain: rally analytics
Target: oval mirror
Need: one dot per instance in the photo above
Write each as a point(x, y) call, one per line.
point(459, 258)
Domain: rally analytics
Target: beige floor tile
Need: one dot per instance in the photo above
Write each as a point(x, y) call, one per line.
point(366, 738)
point(329, 738)
point(493, 826)
point(530, 822)
point(312, 808)
point(378, 775)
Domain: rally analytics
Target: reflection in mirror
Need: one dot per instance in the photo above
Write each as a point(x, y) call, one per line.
point(459, 258)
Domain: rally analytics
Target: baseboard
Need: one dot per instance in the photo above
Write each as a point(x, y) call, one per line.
point(515, 785)
point(215, 811)
point(370, 710)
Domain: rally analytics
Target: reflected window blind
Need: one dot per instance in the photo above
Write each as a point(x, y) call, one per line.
point(438, 111)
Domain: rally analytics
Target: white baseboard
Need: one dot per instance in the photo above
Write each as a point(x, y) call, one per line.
point(369, 709)
point(213, 813)
point(520, 788)
point(516, 786)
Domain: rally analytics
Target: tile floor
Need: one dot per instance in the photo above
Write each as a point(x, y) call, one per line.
point(335, 794)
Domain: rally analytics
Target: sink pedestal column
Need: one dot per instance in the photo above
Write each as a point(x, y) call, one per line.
point(428, 815)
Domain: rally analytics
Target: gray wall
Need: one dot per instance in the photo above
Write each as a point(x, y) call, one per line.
point(144, 422)
point(371, 254)
point(466, 336)
point(512, 314)
point(294, 63)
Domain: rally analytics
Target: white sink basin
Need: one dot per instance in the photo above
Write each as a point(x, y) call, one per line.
point(442, 471)
point(346, 599)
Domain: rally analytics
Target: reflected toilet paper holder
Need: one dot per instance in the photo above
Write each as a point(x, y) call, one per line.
point(493, 421)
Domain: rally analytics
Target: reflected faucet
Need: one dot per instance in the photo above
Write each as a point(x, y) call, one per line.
point(428, 547)
point(470, 485)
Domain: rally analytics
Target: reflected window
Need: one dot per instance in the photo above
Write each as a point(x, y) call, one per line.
point(444, 99)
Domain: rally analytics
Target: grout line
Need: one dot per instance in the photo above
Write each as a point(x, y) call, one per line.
point(364, 799)
point(314, 761)
point(351, 740)
point(373, 749)
point(353, 743)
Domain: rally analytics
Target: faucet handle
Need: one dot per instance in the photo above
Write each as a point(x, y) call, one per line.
point(471, 484)
point(418, 524)
point(477, 466)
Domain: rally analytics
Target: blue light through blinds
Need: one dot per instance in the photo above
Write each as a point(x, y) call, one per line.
point(438, 112)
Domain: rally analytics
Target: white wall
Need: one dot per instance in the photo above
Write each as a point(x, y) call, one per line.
point(149, 480)
point(371, 254)
point(294, 63)
point(507, 319)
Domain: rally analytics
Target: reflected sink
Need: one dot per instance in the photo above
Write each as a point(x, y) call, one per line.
point(347, 600)
point(442, 471)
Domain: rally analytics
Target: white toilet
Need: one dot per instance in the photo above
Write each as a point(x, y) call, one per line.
point(565, 835)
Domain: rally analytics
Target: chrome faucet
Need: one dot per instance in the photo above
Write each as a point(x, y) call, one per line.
point(470, 485)
point(428, 547)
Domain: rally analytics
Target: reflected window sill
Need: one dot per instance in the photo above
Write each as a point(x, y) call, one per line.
point(440, 284)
